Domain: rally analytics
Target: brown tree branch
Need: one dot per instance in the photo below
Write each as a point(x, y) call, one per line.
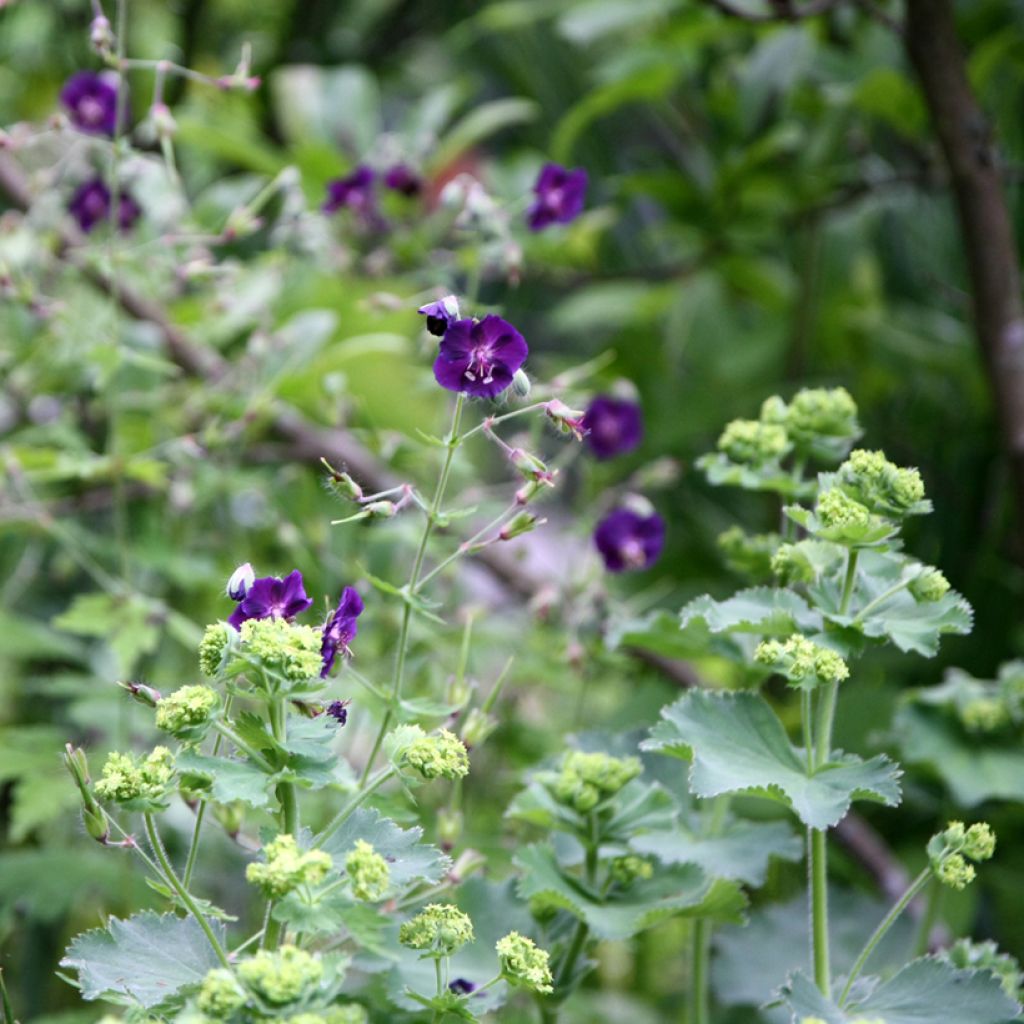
point(781, 10)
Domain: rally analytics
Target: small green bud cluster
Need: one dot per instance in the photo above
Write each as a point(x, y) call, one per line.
point(284, 648)
point(126, 778)
point(802, 661)
point(791, 565)
point(220, 995)
point(286, 867)
point(753, 442)
point(626, 870)
point(814, 413)
point(441, 929)
point(586, 779)
point(93, 818)
point(281, 976)
point(438, 756)
point(985, 956)
point(367, 872)
point(749, 554)
point(523, 963)
point(213, 648)
point(837, 510)
point(187, 712)
point(931, 585)
point(880, 484)
point(984, 714)
point(950, 851)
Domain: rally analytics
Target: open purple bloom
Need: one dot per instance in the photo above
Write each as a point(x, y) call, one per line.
point(353, 192)
point(628, 540)
point(440, 314)
point(560, 193)
point(338, 710)
point(271, 597)
point(402, 178)
point(479, 357)
point(341, 628)
point(461, 987)
point(614, 426)
point(91, 102)
point(90, 205)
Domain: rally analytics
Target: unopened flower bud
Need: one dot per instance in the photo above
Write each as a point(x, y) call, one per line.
point(477, 727)
point(101, 35)
point(188, 712)
point(240, 581)
point(626, 870)
point(283, 976)
point(521, 383)
point(568, 421)
point(438, 756)
point(522, 522)
point(231, 816)
point(931, 585)
point(529, 466)
point(220, 995)
point(803, 662)
point(213, 648)
point(754, 442)
point(163, 121)
point(93, 818)
point(585, 779)
point(368, 873)
point(143, 694)
point(449, 827)
point(381, 509)
point(342, 483)
point(241, 223)
point(286, 867)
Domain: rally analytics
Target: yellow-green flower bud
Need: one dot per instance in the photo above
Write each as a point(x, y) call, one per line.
point(980, 841)
point(477, 727)
point(837, 509)
point(367, 872)
point(286, 867)
point(985, 956)
point(802, 661)
point(753, 442)
point(284, 648)
point(791, 565)
point(438, 756)
point(774, 410)
point(984, 714)
point(930, 586)
point(749, 554)
point(523, 963)
point(213, 648)
point(220, 994)
point(282, 976)
point(93, 818)
point(188, 712)
point(626, 870)
point(585, 779)
point(955, 872)
point(349, 1013)
point(126, 779)
point(821, 413)
point(880, 484)
point(441, 929)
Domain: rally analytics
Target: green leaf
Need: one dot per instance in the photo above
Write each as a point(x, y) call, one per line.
point(682, 890)
point(741, 851)
point(926, 991)
point(738, 745)
point(721, 471)
point(482, 121)
point(660, 632)
point(765, 611)
point(229, 779)
point(148, 957)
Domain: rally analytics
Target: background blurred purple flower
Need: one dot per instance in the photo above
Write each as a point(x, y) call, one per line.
point(90, 205)
point(354, 192)
point(461, 986)
point(271, 597)
point(628, 540)
point(91, 102)
point(338, 710)
point(560, 193)
point(402, 178)
point(615, 426)
point(440, 314)
point(479, 357)
point(341, 628)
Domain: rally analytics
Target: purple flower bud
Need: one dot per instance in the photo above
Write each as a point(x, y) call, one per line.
point(560, 193)
point(338, 710)
point(402, 178)
point(354, 192)
point(479, 357)
point(91, 102)
point(90, 205)
point(441, 314)
point(340, 629)
point(461, 987)
point(628, 540)
point(615, 426)
point(271, 597)
point(240, 582)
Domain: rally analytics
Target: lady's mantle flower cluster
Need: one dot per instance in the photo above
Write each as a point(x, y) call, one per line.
point(626, 870)
point(287, 867)
point(440, 756)
point(803, 662)
point(282, 976)
point(753, 442)
point(441, 929)
point(950, 851)
point(367, 871)
point(188, 712)
point(880, 485)
point(931, 585)
point(814, 416)
point(283, 647)
point(586, 779)
point(127, 779)
point(523, 963)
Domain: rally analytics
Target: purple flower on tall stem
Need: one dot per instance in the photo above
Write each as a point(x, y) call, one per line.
point(560, 194)
point(90, 205)
point(338, 710)
point(629, 540)
point(614, 425)
point(481, 357)
point(354, 192)
point(271, 597)
point(91, 102)
point(341, 628)
point(440, 314)
point(402, 178)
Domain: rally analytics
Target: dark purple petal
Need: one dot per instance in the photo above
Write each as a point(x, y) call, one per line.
point(271, 597)
point(441, 314)
point(402, 178)
point(560, 194)
point(461, 987)
point(614, 425)
point(90, 205)
point(338, 710)
point(341, 628)
point(354, 192)
point(91, 102)
point(480, 358)
point(628, 540)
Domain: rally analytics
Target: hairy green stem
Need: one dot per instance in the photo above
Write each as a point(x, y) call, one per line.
point(884, 596)
point(818, 856)
point(699, 1001)
point(342, 816)
point(183, 893)
point(849, 581)
point(933, 902)
point(193, 849)
point(288, 817)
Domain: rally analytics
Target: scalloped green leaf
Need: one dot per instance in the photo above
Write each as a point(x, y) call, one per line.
point(148, 957)
point(722, 471)
point(766, 611)
point(660, 632)
point(229, 778)
point(737, 744)
point(682, 889)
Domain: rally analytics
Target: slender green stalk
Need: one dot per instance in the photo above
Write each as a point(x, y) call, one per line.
point(879, 933)
point(493, 421)
point(884, 596)
point(286, 794)
point(699, 1001)
point(6, 1010)
point(933, 902)
point(254, 755)
point(183, 893)
point(342, 816)
point(193, 848)
point(819, 909)
point(466, 547)
point(851, 578)
point(806, 717)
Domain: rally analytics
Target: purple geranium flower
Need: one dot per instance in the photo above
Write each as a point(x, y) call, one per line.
point(271, 597)
point(440, 314)
point(629, 540)
point(91, 101)
point(341, 628)
point(240, 582)
point(479, 357)
point(461, 987)
point(90, 205)
point(560, 193)
point(614, 426)
point(402, 178)
point(338, 710)
point(353, 192)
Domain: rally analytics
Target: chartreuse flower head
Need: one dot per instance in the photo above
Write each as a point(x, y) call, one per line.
point(803, 662)
point(816, 418)
point(213, 648)
point(838, 517)
point(836, 509)
point(282, 976)
point(985, 956)
point(626, 870)
point(949, 852)
point(523, 963)
point(140, 784)
point(286, 867)
point(367, 871)
point(349, 1013)
point(791, 564)
point(984, 714)
point(881, 485)
point(436, 756)
point(283, 649)
point(931, 585)
point(441, 929)
point(754, 442)
point(587, 779)
point(188, 713)
point(220, 995)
